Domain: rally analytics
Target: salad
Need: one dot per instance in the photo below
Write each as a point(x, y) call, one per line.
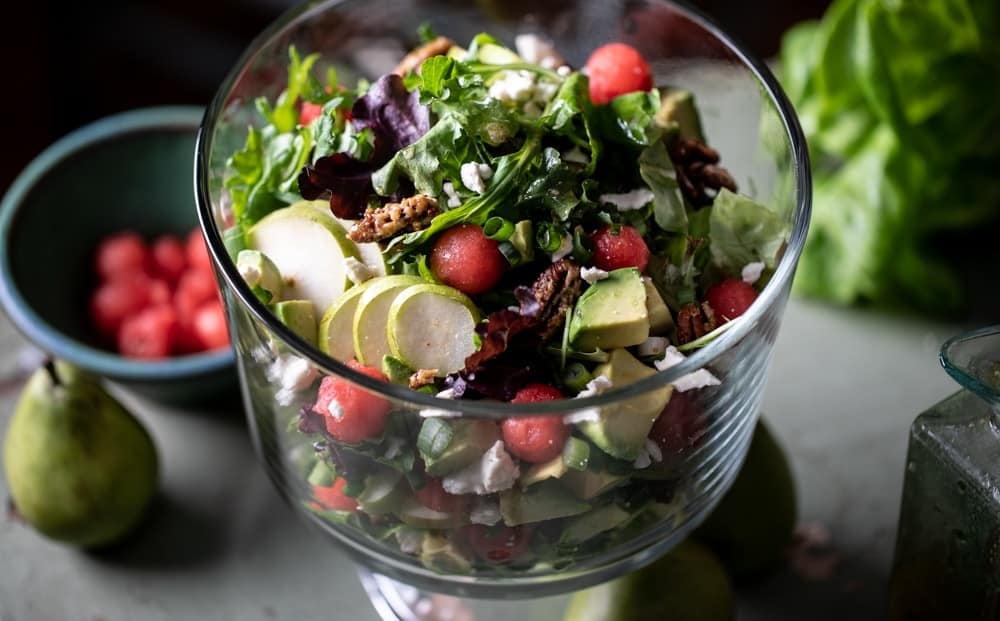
point(489, 223)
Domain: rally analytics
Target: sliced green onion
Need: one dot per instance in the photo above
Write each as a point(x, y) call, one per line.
point(523, 239)
point(434, 437)
point(576, 377)
point(498, 228)
point(511, 253)
point(549, 237)
point(583, 247)
point(576, 453)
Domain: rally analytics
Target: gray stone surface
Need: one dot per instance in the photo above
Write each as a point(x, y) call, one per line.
point(220, 544)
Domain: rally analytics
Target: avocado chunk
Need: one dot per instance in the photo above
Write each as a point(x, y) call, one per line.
point(470, 439)
point(587, 484)
point(677, 109)
point(383, 493)
point(438, 554)
point(413, 513)
point(589, 525)
point(611, 313)
point(552, 469)
point(621, 428)
point(660, 320)
point(300, 317)
point(547, 500)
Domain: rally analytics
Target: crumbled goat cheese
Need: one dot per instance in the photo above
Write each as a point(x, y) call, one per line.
point(544, 91)
point(535, 50)
point(592, 274)
point(589, 415)
point(292, 374)
point(474, 174)
point(513, 86)
point(531, 110)
point(636, 199)
point(691, 381)
point(494, 472)
point(485, 511)
point(449, 189)
point(357, 272)
point(576, 156)
point(653, 346)
point(650, 453)
point(447, 393)
point(563, 70)
point(751, 272)
point(565, 247)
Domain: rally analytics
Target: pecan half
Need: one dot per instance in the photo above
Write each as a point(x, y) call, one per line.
point(410, 214)
point(422, 377)
point(555, 290)
point(412, 61)
point(698, 171)
point(694, 321)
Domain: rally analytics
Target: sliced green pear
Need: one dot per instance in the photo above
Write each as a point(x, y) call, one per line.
point(309, 248)
point(369, 253)
point(336, 328)
point(368, 328)
point(433, 326)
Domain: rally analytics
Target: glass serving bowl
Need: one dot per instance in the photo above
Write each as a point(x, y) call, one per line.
point(609, 520)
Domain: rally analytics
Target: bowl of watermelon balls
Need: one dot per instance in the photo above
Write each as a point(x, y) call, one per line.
point(102, 263)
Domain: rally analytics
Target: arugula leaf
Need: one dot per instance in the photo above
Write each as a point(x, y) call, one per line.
point(629, 119)
point(285, 115)
point(570, 113)
point(555, 188)
point(657, 170)
point(266, 172)
point(743, 231)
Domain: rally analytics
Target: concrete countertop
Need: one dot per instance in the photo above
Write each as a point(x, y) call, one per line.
point(220, 544)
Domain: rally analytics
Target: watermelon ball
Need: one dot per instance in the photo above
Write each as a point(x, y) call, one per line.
point(616, 69)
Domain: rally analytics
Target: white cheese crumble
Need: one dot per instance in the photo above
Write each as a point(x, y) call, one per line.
point(595, 387)
point(692, 381)
point(357, 272)
point(535, 50)
point(592, 274)
point(292, 374)
point(513, 86)
point(474, 174)
point(447, 393)
point(751, 272)
point(576, 156)
point(485, 511)
point(494, 472)
point(563, 70)
point(249, 273)
point(589, 415)
point(565, 247)
point(650, 453)
point(531, 110)
point(449, 190)
point(544, 91)
point(636, 199)
point(653, 346)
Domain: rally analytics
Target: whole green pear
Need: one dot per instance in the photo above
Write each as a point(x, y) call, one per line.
point(81, 469)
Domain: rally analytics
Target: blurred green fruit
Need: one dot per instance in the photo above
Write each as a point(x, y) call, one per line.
point(687, 584)
point(753, 524)
point(81, 469)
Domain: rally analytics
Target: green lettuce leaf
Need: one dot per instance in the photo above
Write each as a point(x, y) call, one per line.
point(743, 232)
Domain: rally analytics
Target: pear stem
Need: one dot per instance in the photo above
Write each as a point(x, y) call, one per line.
point(50, 367)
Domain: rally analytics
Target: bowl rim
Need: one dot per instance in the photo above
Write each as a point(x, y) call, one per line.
point(798, 157)
point(21, 313)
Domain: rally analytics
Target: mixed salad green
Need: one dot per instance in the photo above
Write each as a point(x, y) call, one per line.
point(486, 223)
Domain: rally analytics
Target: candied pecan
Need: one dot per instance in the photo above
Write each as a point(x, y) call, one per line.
point(412, 61)
point(555, 290)
point(422, 377)
point(694, 321)
point(410, 214)
point(698, 171)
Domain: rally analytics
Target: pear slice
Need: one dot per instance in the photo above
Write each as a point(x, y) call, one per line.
point(369, 253)
point(371, 341)
point(336, 328)
point(308, 247)
point(432, 326)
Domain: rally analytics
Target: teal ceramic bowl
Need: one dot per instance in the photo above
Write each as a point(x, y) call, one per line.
point(128, 171)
